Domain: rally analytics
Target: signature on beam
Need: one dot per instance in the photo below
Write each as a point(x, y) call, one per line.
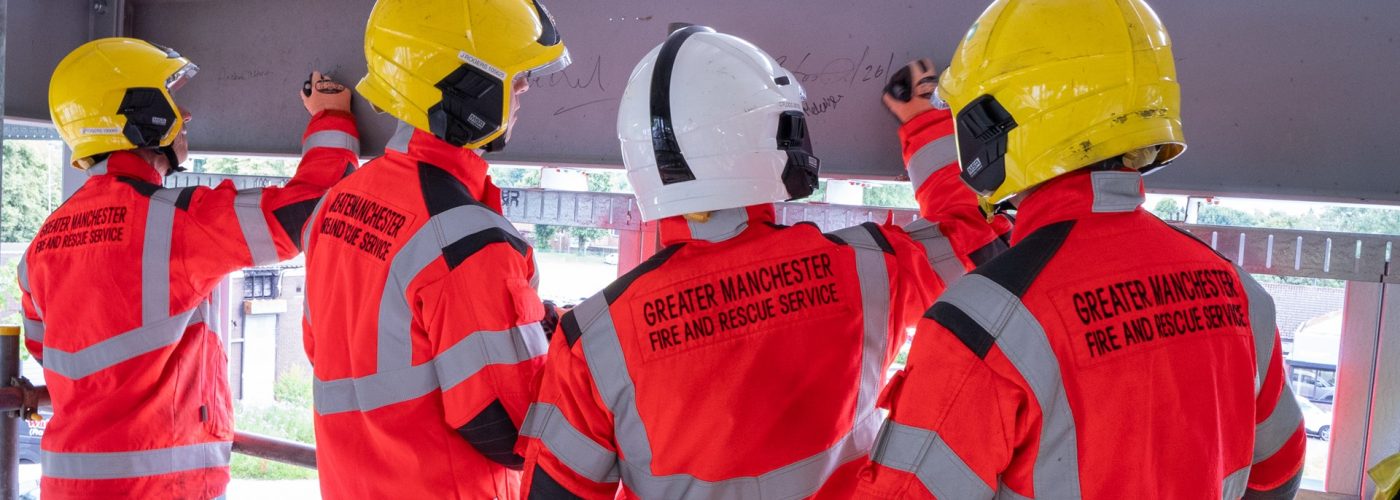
point(566, 109)
point(567, 77)
point(846, 70)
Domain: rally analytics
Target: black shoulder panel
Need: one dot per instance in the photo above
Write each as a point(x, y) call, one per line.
point(989, 251)
point(293, 218)
point(493, 434)
point(569, 324)
point(142, 187)
point(972, 335)
point(1018, 267)
point(186, 196)
point(879, 236)
point(544, 487)
point(459, 251)
point(619, 286)
point(442, 191)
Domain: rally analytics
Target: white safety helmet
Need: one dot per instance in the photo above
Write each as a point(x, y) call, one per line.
point(709, 122)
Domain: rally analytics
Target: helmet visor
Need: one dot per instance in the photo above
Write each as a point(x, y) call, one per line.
point(181, 77)
point(554, 66)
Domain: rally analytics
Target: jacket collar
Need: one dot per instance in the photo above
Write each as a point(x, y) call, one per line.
point(126, 164)
point(723, 225)
point(464, 164)
point(1078, 195)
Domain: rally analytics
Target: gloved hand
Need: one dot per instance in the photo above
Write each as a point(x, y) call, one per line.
point(550, 320)
point(320, 93)
point(910, 90)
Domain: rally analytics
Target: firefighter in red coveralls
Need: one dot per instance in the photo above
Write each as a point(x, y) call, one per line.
point(117, 282)
point(744, 359)
point(423, 326)
point(1106, 355)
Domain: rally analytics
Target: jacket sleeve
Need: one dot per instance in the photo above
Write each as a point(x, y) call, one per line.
point(570, 450)
point(915, 284)
point(958, 424)
point(931, 158)
point(29, 310)
point(482, 321)
point(220, 230)
point(1279, 439)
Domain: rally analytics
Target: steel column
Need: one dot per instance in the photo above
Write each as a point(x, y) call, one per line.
point(9, 420)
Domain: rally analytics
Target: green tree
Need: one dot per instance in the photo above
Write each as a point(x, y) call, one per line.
point(897, 195)
point(229, 165)
point(544, 233)
point(605, 181)
point(1361, 220)
point(31, 191)
point(1169, 209)
point(1222, 216)
point(515, 177)
point(585, 235)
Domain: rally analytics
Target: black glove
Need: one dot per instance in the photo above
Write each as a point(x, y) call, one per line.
point(550, 320)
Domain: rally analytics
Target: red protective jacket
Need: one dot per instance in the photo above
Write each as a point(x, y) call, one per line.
point(423, 328)
point(742, 361)
point(116, 288)
point(1106, 355)
point(931, 159)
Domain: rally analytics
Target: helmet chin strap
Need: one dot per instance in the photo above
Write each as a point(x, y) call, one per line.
point(172, 159)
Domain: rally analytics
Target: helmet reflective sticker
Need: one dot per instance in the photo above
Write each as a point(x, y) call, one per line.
point(670, 163)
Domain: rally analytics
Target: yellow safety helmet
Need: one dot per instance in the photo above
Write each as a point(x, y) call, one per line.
point(447, 66)
point(1040, 88)
point(114, 94)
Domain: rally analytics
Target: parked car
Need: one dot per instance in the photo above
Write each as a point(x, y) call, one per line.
point(610, 258)
point(1316, 421)
point(1314, 388)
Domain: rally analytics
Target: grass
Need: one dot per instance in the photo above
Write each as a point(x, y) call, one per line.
point(288, 418)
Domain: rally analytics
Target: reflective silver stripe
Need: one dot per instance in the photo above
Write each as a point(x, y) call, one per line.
point(373, 391)
point(306, 232)
point(940, 252)
point(122, 347)
point(1116, 191)
point(1235, 485)
point(930, 158)
point(452, 367)
point(473, 353)
point(608, 368)
point(723, 225)
point(1021, 338)
point(581, 454)
point(875, 303)
point(23, 272)
point(99, 168)
point(396, 380)
point(128, 464)
point(155, 256)
point(1005, 492)
point(331, 139)
point(399, 141)
point(924, 454)
point(253, 221)
point(34, 330)
point(1263, 321)
point(1271, 434)
point(395, 348)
